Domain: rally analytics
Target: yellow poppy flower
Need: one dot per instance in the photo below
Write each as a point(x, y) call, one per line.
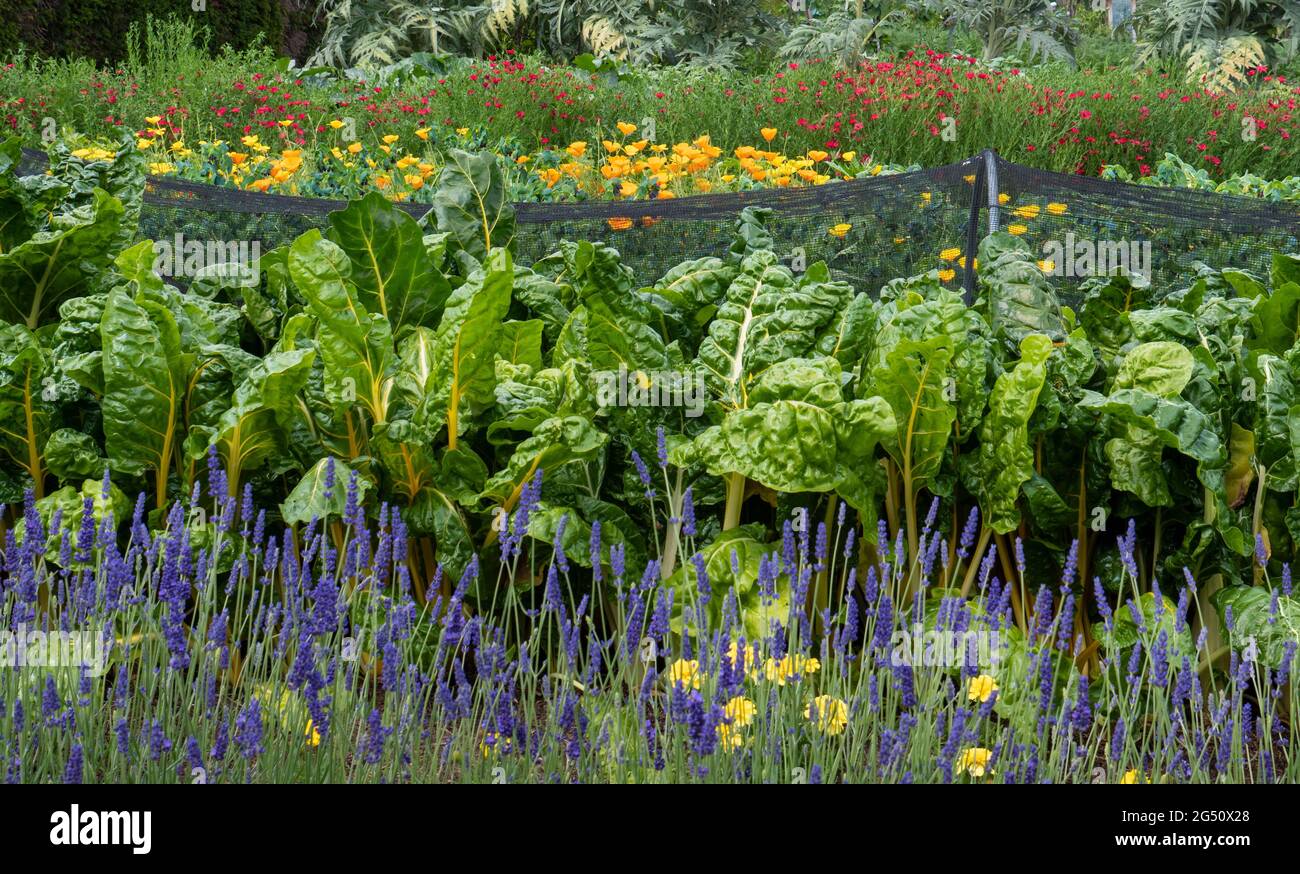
point(975, 761)
point(832, 715)
point(1057, 208)
point(981, 688)
point(741, 711)
point(625, 128)
point(840, 230)
point(685, 672)
point(769, 134)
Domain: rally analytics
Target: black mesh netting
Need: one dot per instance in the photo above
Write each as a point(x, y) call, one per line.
point(868, 230)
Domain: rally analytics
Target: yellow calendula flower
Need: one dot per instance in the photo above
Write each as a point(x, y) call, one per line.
point(729, 737)
point(336, 123)
point(970, 180)
point(947, 275)
point(832, 714)
point(285, 122)
point(741, 711)
point(154, 120)
point(619, 224)
point(462, 131)
point(550, 176)
point(975, 761)
point(1004, 198)
point(768, 133)
point(422, 133)
point(684, 672)
point(789, 667)
point(161, 168)
point(1029, 211)
point(1057, 208)
point(950, 254)
point(840, 230)
point(926, 198)
point(1016, 230)
point(981, 688)
point(577, 149)
point(1047, 265)
point(750, 667)
point(413, 181)
point(627, 189)
point(237, 158)
point(354, 148)
point(143, 143)
point(1132, 776)
point(728, 178)
point(389, 139)
point(625, 128)
point(848, 156)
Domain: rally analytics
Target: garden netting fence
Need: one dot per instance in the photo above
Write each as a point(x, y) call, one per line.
point(868, 230)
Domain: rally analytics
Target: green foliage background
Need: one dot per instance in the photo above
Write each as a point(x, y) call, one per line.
point(96, 29)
